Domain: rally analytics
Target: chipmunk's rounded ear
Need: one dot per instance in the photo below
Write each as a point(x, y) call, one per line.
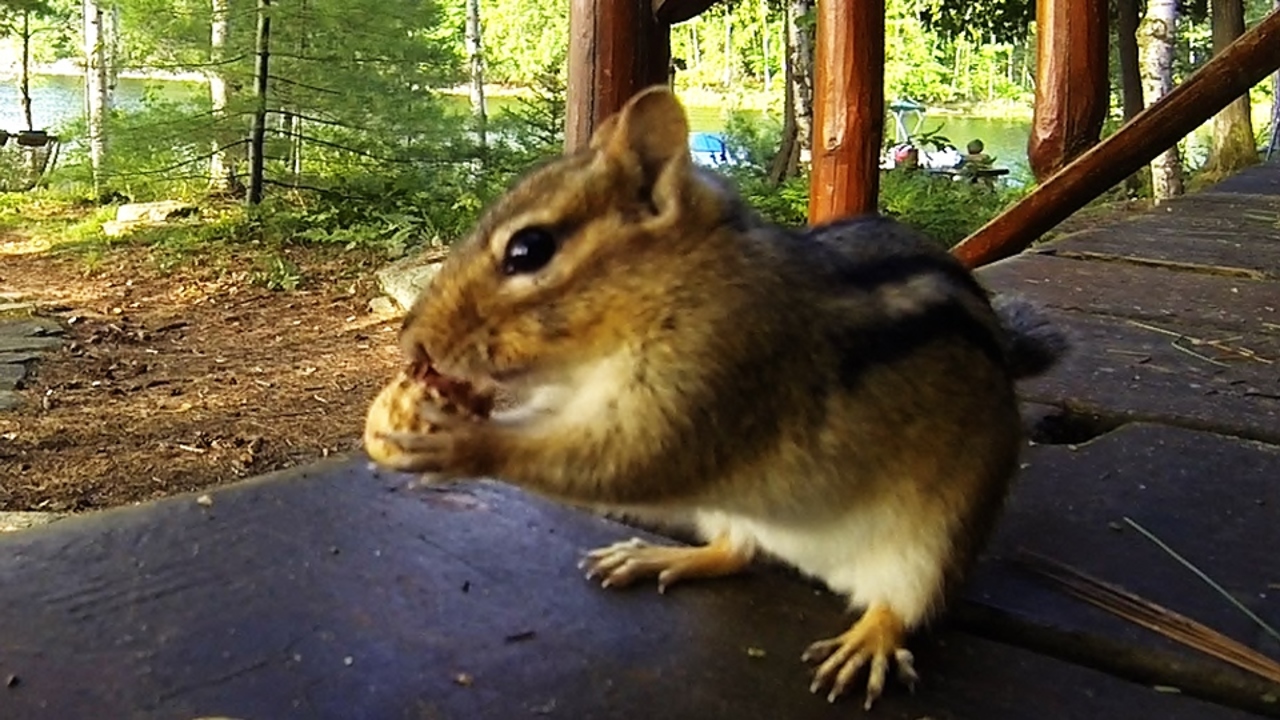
point(651, 128)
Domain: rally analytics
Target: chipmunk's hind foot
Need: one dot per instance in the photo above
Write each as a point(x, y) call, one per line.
point(875, 639)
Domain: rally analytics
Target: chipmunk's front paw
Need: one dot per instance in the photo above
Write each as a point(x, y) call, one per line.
point(876, 638)
point(415, 452)
point(447, 451)
point(622, 563)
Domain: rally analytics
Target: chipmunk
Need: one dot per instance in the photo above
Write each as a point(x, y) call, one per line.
point(840, 398)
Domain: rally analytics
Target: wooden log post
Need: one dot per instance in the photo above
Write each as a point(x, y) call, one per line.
point(1228, 75)
point(1072, 82)
point(848, 109)
point(616, 49)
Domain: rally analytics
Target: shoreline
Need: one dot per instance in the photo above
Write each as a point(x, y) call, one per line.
point(755, 99)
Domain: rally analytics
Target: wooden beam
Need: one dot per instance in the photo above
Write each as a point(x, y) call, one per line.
point(616, 49)
point(1228, 75)
point(848, 109)
point(1072, 82)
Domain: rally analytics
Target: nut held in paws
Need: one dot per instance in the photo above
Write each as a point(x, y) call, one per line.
point(398, 407)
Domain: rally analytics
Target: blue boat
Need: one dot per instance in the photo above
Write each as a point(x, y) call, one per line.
point(711, 149)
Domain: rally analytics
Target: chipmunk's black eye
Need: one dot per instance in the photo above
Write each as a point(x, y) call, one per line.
point(528, 250)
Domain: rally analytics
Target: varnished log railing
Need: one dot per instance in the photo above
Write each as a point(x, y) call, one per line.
point(1226, 77)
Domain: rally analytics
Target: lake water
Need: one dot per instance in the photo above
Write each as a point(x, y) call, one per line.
point(56, 100)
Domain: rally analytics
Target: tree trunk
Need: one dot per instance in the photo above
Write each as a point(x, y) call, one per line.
point(475, 62)
point(786, 163)
point(1127, 44)
point(111, 49)
point(1273, 146)
point(1156, 36)
point(1130, 73)
point(1234, 147)
point(219, 170)
point(693, 40)
point(96, 84)
point(764, 44)
point(802, 69)
point(797, 123)
point(258, 135)
point(24, 79)
point(726, 78)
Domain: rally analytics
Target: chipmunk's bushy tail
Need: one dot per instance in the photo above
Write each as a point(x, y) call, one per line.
point(1035, 343)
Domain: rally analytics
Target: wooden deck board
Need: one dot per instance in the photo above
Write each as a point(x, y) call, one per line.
point(1233, 225)
point(1214, 499)
point(325, 594)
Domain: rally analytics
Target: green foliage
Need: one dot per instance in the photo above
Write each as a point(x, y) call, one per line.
point(941, 208)
point(276, 272)
point(997, 20)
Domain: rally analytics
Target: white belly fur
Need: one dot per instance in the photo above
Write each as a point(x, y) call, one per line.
point(879, 553)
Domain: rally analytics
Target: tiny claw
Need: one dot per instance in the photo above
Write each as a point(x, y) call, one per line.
point(906, 668)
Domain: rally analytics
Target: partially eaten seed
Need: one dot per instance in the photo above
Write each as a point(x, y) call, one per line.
point(398, 407)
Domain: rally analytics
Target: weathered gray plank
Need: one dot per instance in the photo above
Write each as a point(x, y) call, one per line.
point(1214, 499)
point(324, 594)
point(1203, 305)
point(1212, 229)
point(1120, 370)
point(1257, 180)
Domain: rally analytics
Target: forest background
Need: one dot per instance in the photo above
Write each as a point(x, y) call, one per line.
point(388, 125)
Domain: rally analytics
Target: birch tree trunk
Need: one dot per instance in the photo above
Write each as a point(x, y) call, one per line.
point(797, 126)
point(1156, 36)
point(219, 171)
point(111, 49)
point(1233, 146)
point(96, 87)
point(1273, 144)
point(802, 23)
point(475, 61)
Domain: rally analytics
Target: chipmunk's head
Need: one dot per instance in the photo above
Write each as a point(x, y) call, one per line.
point(581, 260)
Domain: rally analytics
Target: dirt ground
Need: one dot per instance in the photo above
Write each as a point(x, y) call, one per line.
point(178, 381)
